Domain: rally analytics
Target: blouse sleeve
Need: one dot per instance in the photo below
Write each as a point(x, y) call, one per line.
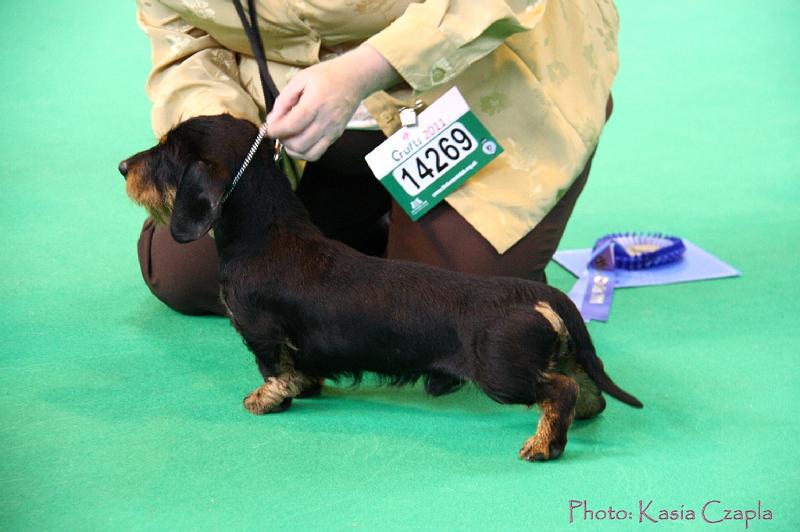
point(192, 74)
point(434, 41)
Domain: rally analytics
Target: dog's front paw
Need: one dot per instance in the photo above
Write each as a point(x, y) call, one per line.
point(538, 449)
point(311, 389)
point(262, 401)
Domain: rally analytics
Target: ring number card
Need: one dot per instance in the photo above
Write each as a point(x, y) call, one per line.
point(421, 164)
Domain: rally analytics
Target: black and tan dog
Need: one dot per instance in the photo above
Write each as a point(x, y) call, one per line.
point(311, 308)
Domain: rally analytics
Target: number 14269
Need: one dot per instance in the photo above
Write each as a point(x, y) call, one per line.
point(435, 158)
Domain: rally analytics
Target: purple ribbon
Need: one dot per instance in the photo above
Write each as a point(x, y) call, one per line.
point(628, 251)
point(600, 286)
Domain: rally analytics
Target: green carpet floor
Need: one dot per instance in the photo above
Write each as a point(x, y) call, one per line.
point(118, 414)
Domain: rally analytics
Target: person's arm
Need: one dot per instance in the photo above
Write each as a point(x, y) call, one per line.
point(192, 74)
point(429, 45)
point(314, 108)
point(435, 41)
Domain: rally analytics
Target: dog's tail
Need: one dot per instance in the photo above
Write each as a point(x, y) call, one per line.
point(586, 355)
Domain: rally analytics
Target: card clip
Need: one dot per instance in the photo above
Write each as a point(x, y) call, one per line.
point(408, 115)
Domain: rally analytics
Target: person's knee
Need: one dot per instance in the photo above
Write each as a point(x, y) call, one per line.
point(182, 276)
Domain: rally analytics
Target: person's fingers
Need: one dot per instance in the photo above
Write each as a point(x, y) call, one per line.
point(286, 99)
point(305, 140)
point(293, 123)
point(312, 112)
point(311, 154)
point(318, 150)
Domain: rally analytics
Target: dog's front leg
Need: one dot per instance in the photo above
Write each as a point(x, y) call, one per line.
point(276, 393)
point(281, 363)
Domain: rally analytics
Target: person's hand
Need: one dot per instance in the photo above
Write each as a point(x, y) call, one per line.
point(312, 111)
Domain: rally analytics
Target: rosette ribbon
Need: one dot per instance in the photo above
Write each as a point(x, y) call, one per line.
point(627, 251)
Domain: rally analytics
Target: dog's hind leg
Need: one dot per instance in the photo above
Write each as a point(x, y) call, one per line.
point(590, 401)
point(559, 394)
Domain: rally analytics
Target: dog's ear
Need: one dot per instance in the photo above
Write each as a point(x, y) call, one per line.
point(197, 203)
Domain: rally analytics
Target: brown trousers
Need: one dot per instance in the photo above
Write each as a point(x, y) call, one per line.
point(347, 203)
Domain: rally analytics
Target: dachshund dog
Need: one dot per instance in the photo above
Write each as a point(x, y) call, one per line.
point(311, 308)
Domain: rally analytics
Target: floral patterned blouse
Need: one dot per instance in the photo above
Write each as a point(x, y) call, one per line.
point(537, 73)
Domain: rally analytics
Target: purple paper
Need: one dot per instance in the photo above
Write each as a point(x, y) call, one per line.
point(696, 265)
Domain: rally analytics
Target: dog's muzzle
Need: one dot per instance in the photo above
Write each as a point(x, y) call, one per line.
point(123, 168)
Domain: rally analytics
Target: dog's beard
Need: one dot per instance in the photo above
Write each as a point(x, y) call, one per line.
point(162, 210)
point(158, 204)
point(160, 214)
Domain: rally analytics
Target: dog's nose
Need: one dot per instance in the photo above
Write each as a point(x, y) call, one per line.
point(123, 168)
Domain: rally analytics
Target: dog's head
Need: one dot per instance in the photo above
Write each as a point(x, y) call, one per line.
point(182, 179)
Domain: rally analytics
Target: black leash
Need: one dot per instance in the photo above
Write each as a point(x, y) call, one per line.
point(257, 46)
point(267, 86)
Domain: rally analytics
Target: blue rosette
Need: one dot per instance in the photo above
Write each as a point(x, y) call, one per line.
point(627, 251)
point(641, 251)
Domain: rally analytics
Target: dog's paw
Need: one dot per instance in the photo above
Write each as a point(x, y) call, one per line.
point(589, 405)
point(538, 449)
point(312, 389)
point(259, 403)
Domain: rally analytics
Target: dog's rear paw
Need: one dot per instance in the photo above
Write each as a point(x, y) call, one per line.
point(536, 450)
point(589, 405)
point(260, 403)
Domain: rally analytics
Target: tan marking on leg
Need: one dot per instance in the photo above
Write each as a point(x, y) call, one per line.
point(557, 414)
point(271, 394)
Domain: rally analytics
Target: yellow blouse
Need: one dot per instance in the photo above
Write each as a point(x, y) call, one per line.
point(537, 73)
